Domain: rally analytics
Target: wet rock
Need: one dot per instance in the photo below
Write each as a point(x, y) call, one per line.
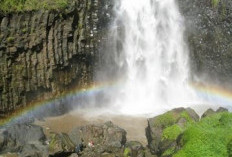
point(193, 114)
point(45, 53)
point(221, 109)
point(60, 144)
point(134, 149)
point(163, 130)
point(148, 153)
point(208, 112)
point(2, 139)
point(33, 150)
point(26, 140)
point(106, 138)
point(74, 155)
point(10, 155)
point(208, 34)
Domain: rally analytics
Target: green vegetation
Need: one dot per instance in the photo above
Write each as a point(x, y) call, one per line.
point(212, 136)
point(186, 116)
point(52, 142)
point(169, 152)
point(10, 39)
point(28, 5)
point(215, 3)
point(165, 120)
point(172, 132)
point(170, 118)
point(127, 152)
point(168, 122)
point(229, 149)
point(24, 30)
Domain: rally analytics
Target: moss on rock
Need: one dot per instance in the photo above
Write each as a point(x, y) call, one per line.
point(162, 131)
point(172, 132)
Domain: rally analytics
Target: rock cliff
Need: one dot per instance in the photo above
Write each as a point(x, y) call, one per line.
point(208, 31)
point(45, 53)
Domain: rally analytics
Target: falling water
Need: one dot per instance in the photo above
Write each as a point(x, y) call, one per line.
point(152, 57)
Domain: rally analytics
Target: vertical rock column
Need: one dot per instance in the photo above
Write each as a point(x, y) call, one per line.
point(46, 53)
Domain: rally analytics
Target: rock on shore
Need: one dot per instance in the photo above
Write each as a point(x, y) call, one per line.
point(176, 133)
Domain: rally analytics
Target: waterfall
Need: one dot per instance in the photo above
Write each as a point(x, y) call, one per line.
point(151, 55)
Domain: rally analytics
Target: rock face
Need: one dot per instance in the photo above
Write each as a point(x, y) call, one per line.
point(26, 140)
point(107, 138)
point(208, 30)
point(163, 131)
point(60, 144)
point(45, 53)
point(175, 133)
point(134, 148)
point(210, 112)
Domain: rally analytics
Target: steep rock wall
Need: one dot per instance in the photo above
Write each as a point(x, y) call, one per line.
point(45, 53)
point(209, 35)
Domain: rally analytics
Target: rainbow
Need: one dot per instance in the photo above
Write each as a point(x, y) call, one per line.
point(75, 92)
point(213, 94)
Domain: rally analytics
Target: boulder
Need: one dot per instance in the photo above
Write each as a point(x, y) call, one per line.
point(74, 155)
point(208, 112)
point(107, 138)
point(60, 144)
point(134, 149)
point(35, 150)
point(148, 153)
point(221, 109)
point(163, 130)
point(2, 139)
point(9, 155)
point(25, 139)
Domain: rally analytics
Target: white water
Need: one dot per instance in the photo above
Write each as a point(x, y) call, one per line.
point(155, 56)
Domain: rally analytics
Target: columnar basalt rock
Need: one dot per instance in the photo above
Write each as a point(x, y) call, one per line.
point(45, 53)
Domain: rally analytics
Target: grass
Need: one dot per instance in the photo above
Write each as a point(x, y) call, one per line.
point(7, 6)
point(212, 136)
